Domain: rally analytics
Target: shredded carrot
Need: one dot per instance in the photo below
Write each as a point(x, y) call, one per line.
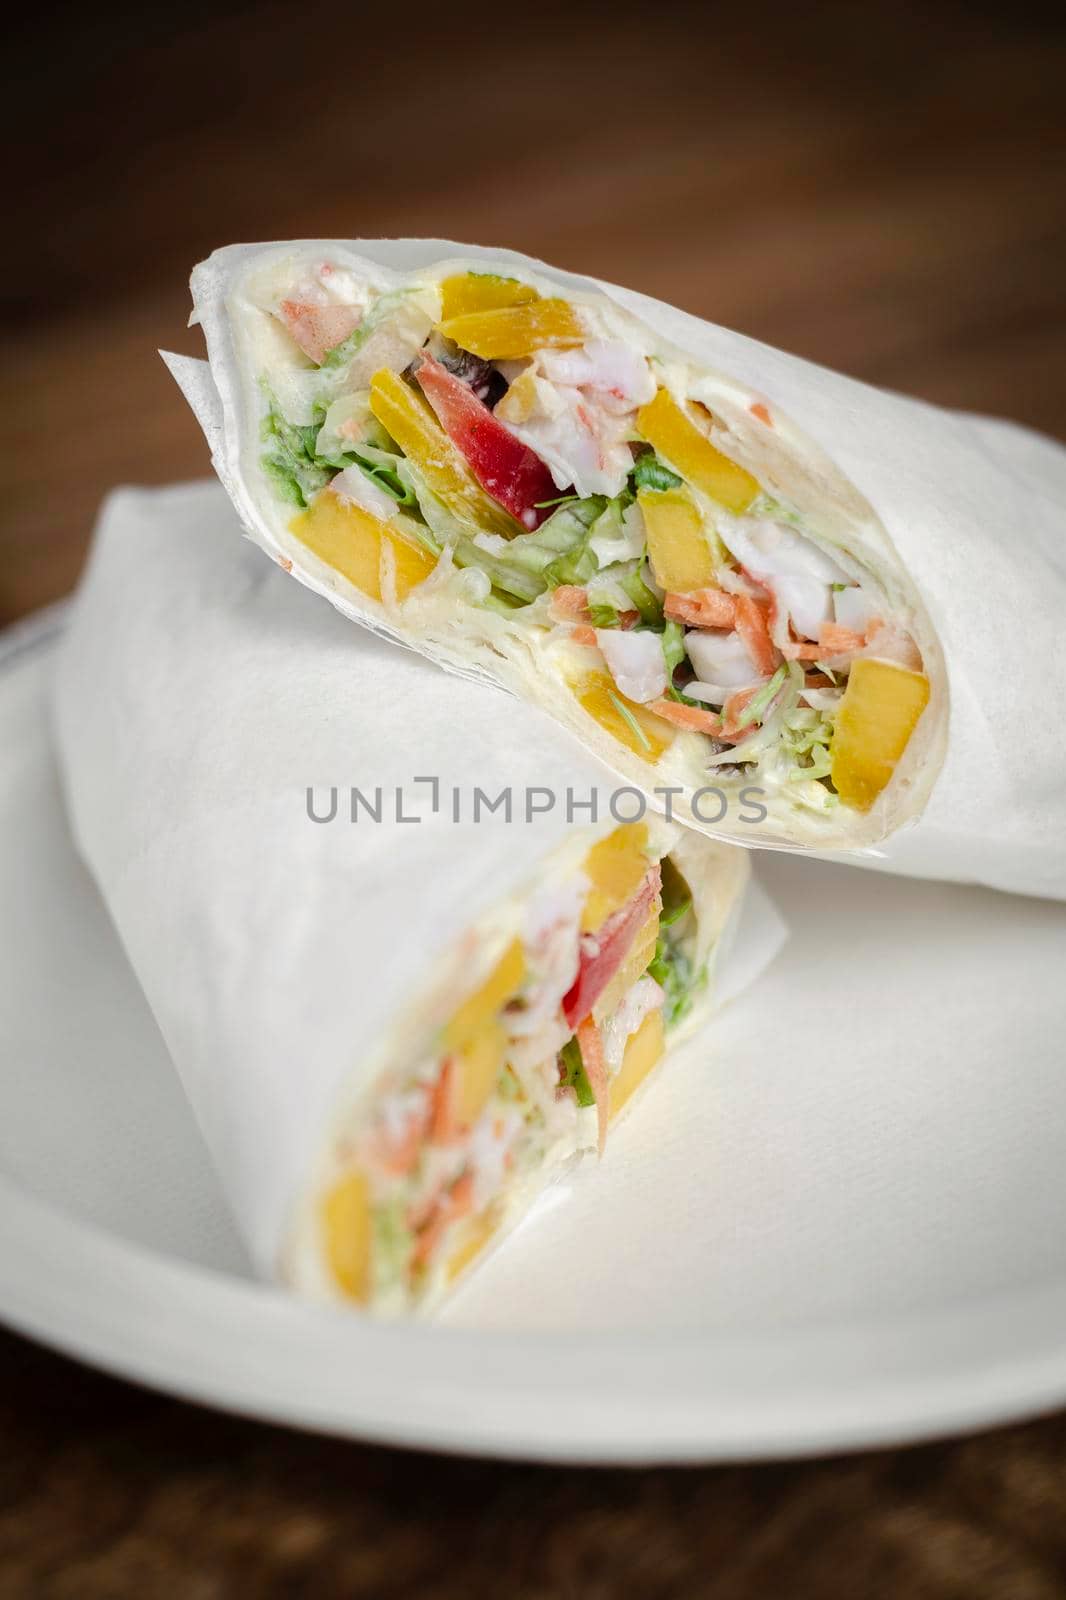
point(760, 411)
point(583, 634)
point(834, 640)
point(754, 630)
point(449, 1208)
point(398, 1156)
point(694, 718)
point(796, 650)
point(594, 1062)
point(442, 1105)
point(734, 708)
point(428, 1239)
point(461, 1195)
point(703, 608)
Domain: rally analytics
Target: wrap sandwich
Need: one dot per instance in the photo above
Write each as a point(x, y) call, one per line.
point(399, 1007)
point(729, 573)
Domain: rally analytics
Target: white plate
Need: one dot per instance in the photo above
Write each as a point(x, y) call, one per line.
point(838, 1221)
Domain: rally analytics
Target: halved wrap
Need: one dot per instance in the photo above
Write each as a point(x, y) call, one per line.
point(398, 1009)
point(724, 569)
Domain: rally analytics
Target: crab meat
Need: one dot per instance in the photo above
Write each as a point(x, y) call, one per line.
point(318, 329)
point(806, 601)
point(796, 572)
point(617, 377)
point(716, 694)
point(636, 663)
point(852, 609)
point(576, 409)
point(721, 658)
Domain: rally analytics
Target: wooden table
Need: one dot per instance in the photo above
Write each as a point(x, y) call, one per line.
point(881, 190)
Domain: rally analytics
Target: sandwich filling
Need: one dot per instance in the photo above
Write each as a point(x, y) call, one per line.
point(470, 440)
point(523, 1075)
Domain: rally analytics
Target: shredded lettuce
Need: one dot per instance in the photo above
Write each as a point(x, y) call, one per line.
point(392, 1240)
point(676, 894)
point(556, 553)
point(650, 473)
point(674, 972)
point(603, 616)
point(568, 530)
point(573, 1074)
point(289, 459)
point(299, 468)
point(624, 712)
point(530, 563)
point(806, 737)
point(561, 500)
point(758, 703)
point(683, 699)
point(383, 467)
point(673, 641)
point(646, 601)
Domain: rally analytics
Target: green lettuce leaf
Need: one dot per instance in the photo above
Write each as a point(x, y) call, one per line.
point(680, 981)
point(574, 1075)
point(650, 473)
point(289, 458)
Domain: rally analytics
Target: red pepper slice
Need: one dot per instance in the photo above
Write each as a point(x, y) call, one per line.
point(505, 467)
point(604, 952)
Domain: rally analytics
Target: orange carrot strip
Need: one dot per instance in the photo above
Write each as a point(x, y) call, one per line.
point(703, 608)
point(694, 718)
point(398, 1156)
point(753, 629)
point(733, 708)
point(583, 634)
point(449, 1208)
point(834, 640)
point(442, 1122)
point(760, 411)
point(594, 1062)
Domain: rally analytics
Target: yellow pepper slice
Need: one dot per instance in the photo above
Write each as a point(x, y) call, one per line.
point(674, 436)
point(596, 693)
point(346, 1227)
point(478, 1233)
point(481, 1007)
point(467, 292)
point(478, 1059)
point(512, 332)
point(350, 540)
point(418, 433)
point(616, 867)
point(643, 1049)
point(681, 556)
point(880, 709)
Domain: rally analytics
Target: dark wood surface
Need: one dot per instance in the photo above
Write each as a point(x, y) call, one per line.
point(878, 188)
